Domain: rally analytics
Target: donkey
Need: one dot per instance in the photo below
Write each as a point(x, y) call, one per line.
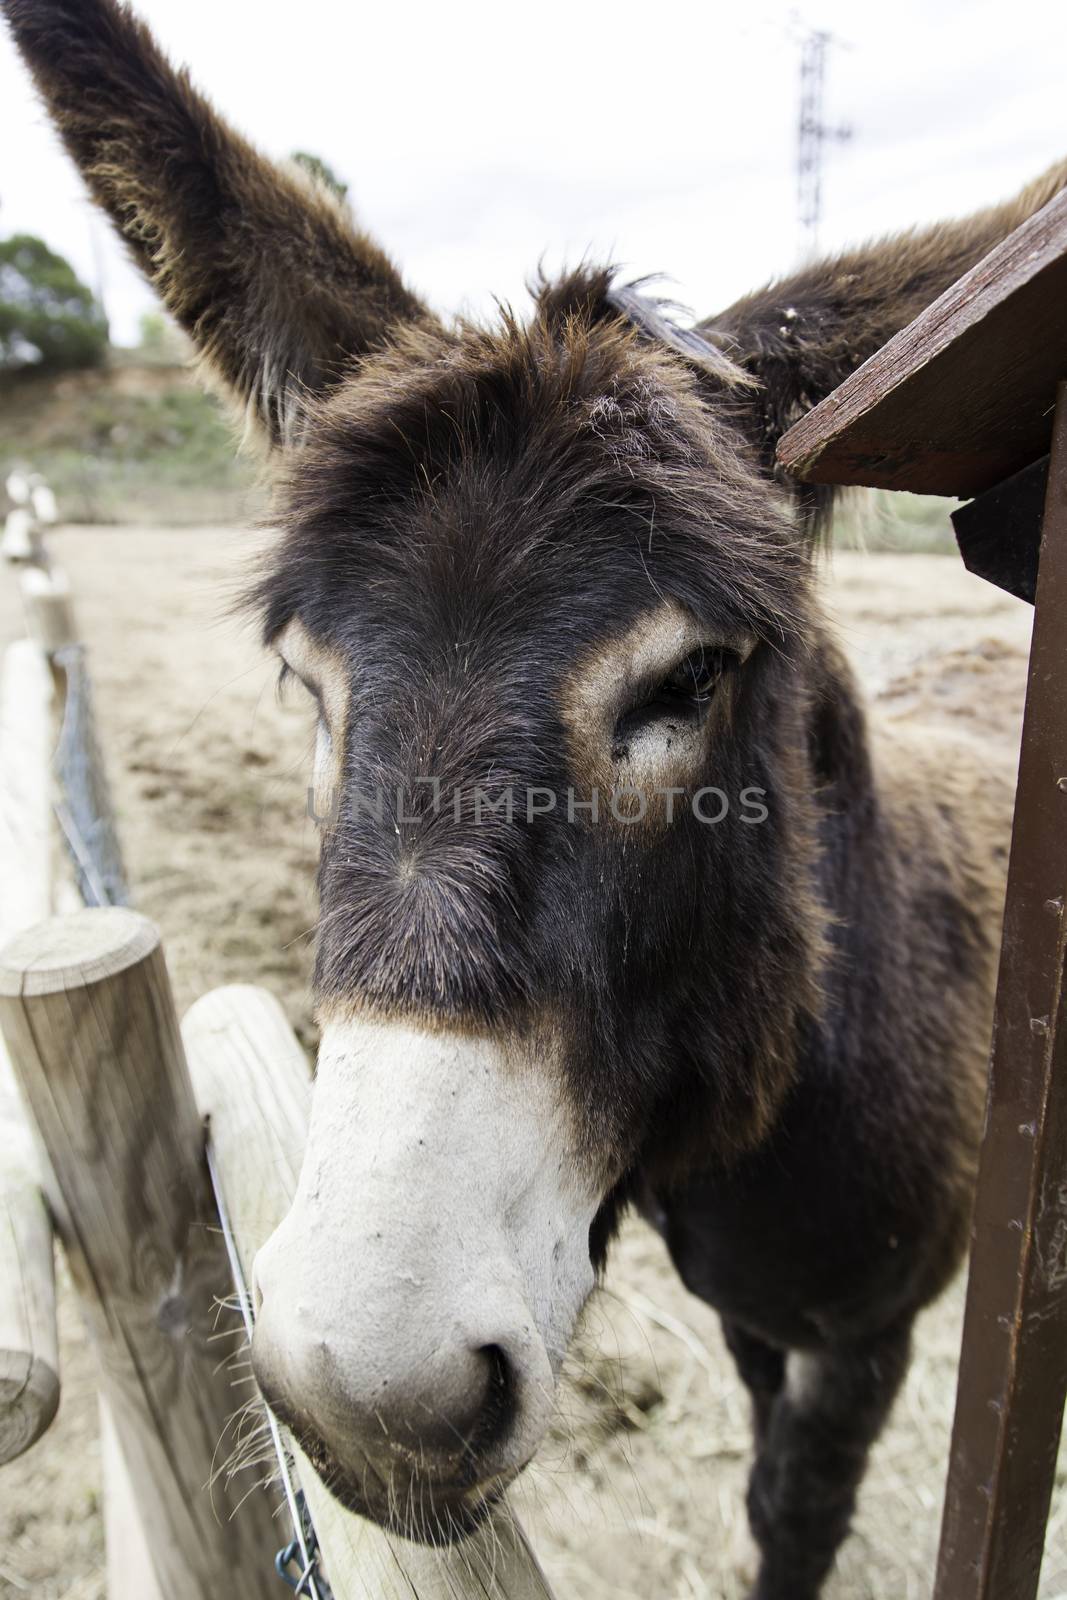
point(650, 915)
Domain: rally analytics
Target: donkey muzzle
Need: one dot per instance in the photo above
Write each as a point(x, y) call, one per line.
point(415, 1304)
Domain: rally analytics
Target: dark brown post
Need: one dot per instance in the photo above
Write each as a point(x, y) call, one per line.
point(88, 1018)
point(1013, 1371)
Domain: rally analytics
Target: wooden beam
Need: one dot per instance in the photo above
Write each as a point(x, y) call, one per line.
point(1013, 1371)
point(964, 395)
point(252, 1082)
point(87, 1014)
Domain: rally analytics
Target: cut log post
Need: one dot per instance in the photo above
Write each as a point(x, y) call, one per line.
point(27, 737)
point(131, 1574)
point(29, 1346)
point(43, 502)
point(49, 613)
point(88, 1017)
point(17, 543)
point(29, 1362)
point(252, 1082)
point(83, 799)
point(18, 487)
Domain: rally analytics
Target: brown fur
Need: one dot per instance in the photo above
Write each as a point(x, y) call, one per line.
point(774, 1037)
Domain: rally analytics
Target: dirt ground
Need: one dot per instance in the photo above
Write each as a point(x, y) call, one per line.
point(639, 1493)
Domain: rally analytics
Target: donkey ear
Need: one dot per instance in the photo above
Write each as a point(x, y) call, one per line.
point(261, 265)
point(803, 335)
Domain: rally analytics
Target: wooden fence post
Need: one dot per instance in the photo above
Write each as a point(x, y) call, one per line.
point(29, 1354)
point(131, 1573)
point(87, 1014)
point(27, 738)
point(29, 1362)
point(49, 615)
point(252, 1082)
point(1013, 1366)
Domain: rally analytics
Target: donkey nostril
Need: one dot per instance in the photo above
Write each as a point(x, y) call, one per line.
point(499, 1365)
point(498, 1407)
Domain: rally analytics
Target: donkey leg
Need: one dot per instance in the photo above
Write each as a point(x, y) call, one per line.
point(802, 1491)
point(762, 1370)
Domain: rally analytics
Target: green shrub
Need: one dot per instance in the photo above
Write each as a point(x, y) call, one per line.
point(49, 320)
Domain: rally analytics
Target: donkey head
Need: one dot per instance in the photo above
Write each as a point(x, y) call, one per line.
point(545, 611)
point(555, 616)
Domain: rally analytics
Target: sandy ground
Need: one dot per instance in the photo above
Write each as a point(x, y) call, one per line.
point(638, 1495)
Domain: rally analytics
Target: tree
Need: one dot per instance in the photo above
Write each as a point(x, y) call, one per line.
point(154, 332)
point(49, 320)
point(322, 170)
point(162, 342)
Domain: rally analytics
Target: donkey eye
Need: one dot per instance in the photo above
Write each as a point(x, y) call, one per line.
point(288, 675)
point(684, 695)
point(688, 688)
point(693, 680)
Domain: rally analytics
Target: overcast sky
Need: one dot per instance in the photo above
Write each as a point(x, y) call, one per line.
point(478, 137)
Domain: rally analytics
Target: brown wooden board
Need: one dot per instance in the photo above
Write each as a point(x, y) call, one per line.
point(1013, 1372)
point(999, 534)
point(964, 396)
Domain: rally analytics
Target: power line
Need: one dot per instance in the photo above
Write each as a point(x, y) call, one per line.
point(813, 134)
